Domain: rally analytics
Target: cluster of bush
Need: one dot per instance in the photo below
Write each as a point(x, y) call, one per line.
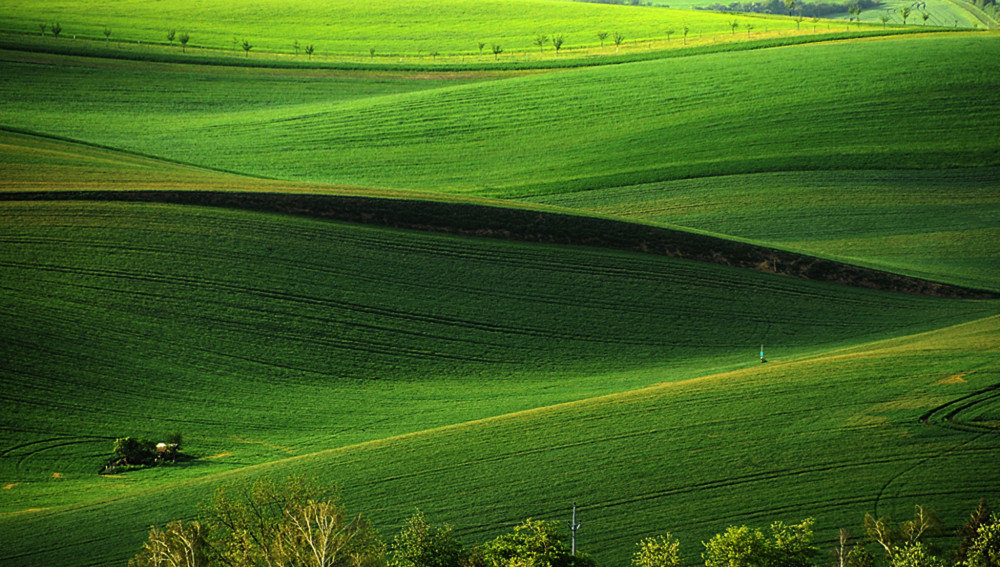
point(299, 523)
point(130, 453)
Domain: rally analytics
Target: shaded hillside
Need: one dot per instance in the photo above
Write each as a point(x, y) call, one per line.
point(538, 226)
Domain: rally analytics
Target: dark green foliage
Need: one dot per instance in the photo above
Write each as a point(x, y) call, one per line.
point(984, 550)
point(56, 29)
point(969, 531)
point(134, 451)
point(859, 556)
point(420, 544)
point(174, 438)
point(184, 39)
point(534, 543)
point(171, 35)
point(246, 47)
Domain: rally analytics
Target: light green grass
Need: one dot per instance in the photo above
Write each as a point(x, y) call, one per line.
point(943, 13)
point(348, 28)
point(827, 109)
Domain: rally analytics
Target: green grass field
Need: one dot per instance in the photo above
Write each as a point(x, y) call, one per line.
point(347, 28)
point(481, 379)
point(831, 126)
point(138, 319)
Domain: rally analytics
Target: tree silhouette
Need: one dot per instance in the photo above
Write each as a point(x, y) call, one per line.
point(56, 30)
point(618, 39)
point(107, 34)
point(309, 51)
point(171, 35)
point(734, 24)
point(246, 47)
point(540, 41)
point(497, 50)
point(602, 36)
point(184, 39)
point(557, 42)
point(904, 13)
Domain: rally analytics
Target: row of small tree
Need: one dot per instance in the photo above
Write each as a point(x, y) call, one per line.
point(301, 523)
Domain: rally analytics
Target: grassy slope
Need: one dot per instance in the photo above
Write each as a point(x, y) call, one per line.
point(946, 13)
point(827, 108)
point(917, 149)
point(147, 301)
point(127, 317)
point(346, 27)
point(935, 224)
point(688, 457)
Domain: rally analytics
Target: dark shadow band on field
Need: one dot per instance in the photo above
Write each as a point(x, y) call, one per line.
point(467, 219)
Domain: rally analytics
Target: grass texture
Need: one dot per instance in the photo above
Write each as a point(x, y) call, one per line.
point(391, 27)
point(480, 380)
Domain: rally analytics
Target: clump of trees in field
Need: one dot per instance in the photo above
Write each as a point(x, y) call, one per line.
point(297, 522)
point(129, 453)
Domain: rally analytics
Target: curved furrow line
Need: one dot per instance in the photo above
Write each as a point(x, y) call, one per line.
point(337, 304)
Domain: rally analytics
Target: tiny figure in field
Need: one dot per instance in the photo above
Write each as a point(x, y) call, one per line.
point(762, 359)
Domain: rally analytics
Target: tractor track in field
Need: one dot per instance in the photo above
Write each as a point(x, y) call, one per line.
point(334, 305)
point(947, 414)
point(531, 226)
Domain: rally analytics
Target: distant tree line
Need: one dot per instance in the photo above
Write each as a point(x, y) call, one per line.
point(813, 9)
point(301, 523)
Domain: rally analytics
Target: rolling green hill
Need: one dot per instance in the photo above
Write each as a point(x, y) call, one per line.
point(485, 380)
point(347, 28)
point(829, 148)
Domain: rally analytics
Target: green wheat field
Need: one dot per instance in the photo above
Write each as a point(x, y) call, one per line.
point(489, 285)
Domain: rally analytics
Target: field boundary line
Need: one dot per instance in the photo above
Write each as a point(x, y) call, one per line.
point(472, 219)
